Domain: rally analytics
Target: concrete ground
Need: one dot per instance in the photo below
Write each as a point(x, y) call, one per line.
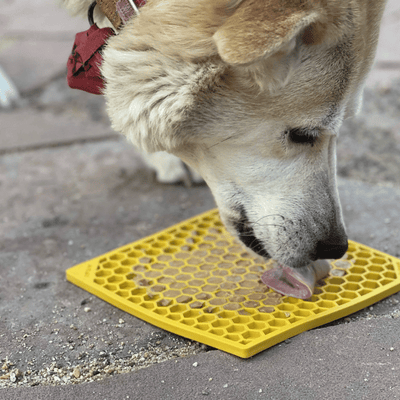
point(71, 189)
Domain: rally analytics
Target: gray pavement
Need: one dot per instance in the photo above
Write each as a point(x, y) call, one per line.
point(351, 361)
point(47, 129)
point(71, 190)
point(36, 39)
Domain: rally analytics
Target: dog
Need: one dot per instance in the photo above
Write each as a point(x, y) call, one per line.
point(250, 94)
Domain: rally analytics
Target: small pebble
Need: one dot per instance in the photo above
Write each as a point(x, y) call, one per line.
point(195, 364)
point(76, 372)
point(13, 377)
point(87, 309)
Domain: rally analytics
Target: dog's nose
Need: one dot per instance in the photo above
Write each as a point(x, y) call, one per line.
point(332, 249)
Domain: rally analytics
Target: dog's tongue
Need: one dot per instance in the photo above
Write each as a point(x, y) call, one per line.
point(297, 282)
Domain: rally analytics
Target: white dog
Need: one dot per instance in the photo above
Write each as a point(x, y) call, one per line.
point(251, 94)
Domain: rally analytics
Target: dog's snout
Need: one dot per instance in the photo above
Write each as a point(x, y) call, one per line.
point(332, 249)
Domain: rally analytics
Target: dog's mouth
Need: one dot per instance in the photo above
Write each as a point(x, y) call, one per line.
point(246, 234)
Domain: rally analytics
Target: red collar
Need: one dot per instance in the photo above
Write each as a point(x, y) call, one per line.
point(119, 12)
point(85, 60)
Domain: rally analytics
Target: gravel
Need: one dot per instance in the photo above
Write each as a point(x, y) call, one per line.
point(81, 369)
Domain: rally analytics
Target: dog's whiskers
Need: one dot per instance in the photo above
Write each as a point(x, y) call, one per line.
point(222, 141)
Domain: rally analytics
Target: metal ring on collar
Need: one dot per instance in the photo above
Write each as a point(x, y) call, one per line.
point(133, 5)
point(90, 12)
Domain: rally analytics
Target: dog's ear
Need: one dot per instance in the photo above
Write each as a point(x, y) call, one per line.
point(262, 28)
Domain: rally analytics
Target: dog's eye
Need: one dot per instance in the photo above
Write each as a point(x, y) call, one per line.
point(302, 135)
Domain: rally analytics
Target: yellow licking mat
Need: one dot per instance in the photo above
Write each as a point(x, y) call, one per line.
point(195, 280)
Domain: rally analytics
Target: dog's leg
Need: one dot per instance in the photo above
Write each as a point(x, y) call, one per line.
point(8, 92)
point(170, 169)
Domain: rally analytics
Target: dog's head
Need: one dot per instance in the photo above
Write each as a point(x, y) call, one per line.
point(251, 94)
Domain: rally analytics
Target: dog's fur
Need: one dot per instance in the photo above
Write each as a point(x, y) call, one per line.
point(251, 94)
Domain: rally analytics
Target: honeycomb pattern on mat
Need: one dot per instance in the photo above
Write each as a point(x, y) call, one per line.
point(198, 277)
